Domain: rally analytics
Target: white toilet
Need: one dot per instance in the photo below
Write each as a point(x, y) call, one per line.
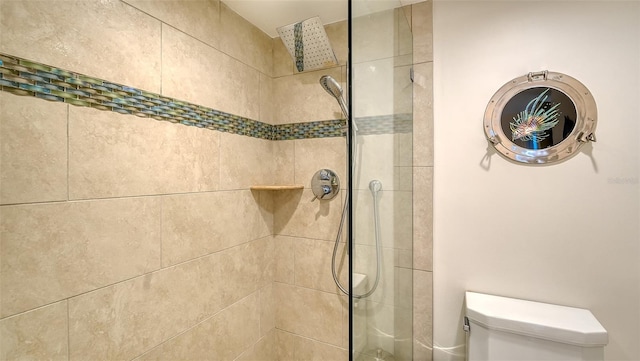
point(507, 329)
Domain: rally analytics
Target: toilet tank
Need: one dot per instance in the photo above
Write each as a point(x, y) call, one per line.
point(501, 328)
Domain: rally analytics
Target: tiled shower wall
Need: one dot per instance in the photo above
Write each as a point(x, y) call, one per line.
point(141, 239)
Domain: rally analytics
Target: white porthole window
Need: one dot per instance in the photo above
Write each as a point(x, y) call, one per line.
point(540, 118)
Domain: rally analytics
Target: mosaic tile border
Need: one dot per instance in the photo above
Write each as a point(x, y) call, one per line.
point(385, 124)
point(27, 78)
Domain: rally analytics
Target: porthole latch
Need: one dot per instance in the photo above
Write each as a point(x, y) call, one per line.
point(538, 76)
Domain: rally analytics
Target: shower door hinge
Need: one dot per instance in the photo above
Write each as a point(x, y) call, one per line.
point(465, 326)
point(411, 74)
point(541, 75)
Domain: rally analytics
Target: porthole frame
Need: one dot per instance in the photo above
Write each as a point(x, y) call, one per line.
point(583, 131)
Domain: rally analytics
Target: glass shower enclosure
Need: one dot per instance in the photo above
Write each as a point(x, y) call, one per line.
point(381, 157)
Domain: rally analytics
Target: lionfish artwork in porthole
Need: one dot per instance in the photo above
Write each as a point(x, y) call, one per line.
point(532, 123)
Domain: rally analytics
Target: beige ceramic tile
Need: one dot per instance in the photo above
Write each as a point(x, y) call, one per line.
point(195, 72)
point(107, 39)
point(222, 337)
point(114, 155)
point(309, 313)
point(313, 265)
point(36, 335)
point(311, 155)
point(285, 259)
point(423, 219)
point(282, 60)
point(267, 107)
point(284, 345)
point(423, 115)
point(402, 89)
point(380, 325)
point(263, 350)
point(54, 251)
point(300, 97)
point(422, 315)
point(244, 41)
point(311, 350)
point(297, 215)
point(267, 310)
point(33, 150)
point(193, 224)
point(375, 160)
point(403, 30)
point(127, 319)
point(339, 38)
point(373, 86)
point(283, 158)
point(403, 333)
point(365, 262)
point(247, 161)
point(373, 36)
point(396, 217)
point(422, 26)
point(404, 149)
point(198, 18)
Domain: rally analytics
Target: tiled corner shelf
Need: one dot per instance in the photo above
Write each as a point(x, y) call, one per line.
point(276, 188)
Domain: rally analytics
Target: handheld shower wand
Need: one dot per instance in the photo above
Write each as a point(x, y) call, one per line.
point(332, 87)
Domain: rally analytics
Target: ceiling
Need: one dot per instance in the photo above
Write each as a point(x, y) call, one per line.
point(268, 15)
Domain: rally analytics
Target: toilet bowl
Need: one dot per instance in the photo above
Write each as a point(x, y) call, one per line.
point(502, 328)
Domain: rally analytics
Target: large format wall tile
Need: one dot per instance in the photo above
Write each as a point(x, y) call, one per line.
point(311, 155)
point(113, 155)
point(127, 319)
point(198, 18)
point(33, 150)
point(313, 264)
point(107, 39)
point(297, 216)
point(310, 313)
point(36, 335)
point(54, 251)
point(423, 115)
point(255, 166)
point(422, 315)
point(222, 337)
point(423, 219)
point(263, 350)
point(284, 259)
point(244, 41)
point(193, 225)
point(311, 350)
point(196, 72)
point(300, 97)
point(422, 26)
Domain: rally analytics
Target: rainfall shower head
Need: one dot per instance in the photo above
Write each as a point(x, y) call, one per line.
point(308, 44)
point(332, 87)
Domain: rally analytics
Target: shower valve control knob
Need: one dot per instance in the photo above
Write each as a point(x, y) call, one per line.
point(325, 184)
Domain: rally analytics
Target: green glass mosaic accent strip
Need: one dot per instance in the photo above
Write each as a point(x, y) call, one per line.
point(27, 78)
point(385, 124)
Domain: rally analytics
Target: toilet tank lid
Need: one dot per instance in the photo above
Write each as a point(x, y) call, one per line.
point(575, 326)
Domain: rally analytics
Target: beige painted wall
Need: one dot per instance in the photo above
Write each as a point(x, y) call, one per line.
point(566, 233)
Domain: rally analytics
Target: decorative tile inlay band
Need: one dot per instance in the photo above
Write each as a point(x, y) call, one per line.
point(28, 78)
point(385, 124)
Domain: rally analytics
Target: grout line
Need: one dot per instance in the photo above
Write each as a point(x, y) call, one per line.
point(68, 333)
point(68, 154)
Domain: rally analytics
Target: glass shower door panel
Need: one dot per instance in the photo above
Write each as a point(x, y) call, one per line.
point(382, 194)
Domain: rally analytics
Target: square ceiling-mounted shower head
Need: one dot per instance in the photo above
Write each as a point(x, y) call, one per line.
point(308, 44)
